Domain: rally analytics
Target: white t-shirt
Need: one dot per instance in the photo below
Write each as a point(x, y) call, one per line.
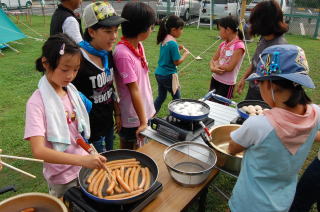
point(71, 27)
point(246, 137)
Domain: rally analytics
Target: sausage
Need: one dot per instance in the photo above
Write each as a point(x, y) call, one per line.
point(122, 183)
point(136, 178)
point(124, 195)
point(89, 179)
point(143, 178)
point(127, 164)
point(28, 210)
point(101, 184)
point(121, 161)
point(131, 178)
point(147, 185)
point(117, 189)
point(96, 185)
point(122, 172)
point(93, 181)
point(126, 176)
point(111, 186)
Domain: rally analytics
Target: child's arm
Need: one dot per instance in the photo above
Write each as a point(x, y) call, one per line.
point(138, 106)
point(40, 151)
point(235, 148)
point(236, 57)
point(242, 81)
point(214, 63)
point(184, 56)
point(117, 116)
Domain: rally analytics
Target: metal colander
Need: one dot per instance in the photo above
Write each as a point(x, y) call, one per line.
point(189, 163)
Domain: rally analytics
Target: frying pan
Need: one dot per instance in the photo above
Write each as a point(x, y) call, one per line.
point(239, 105)
point(145, 161)
point(205, 109)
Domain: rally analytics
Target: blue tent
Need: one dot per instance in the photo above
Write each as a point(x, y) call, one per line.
point(8, 30)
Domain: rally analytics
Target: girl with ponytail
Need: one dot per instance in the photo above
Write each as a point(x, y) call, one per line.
point(226, 62)
point(171, 27)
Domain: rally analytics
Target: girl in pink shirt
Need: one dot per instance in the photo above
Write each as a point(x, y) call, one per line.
point(56, 117)
point(226, 62)
point(132, 73)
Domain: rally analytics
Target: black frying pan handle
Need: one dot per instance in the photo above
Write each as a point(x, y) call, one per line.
point(8, 188)
point(223, 99)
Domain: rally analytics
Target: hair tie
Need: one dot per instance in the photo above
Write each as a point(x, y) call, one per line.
point(61, 52)
point(165, 19)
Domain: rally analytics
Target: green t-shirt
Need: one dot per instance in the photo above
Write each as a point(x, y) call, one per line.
point(169, 52)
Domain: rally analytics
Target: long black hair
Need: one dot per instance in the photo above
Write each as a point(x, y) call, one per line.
point(232, 23)
point(166, 24)
point(52, 48)
point(298, 95)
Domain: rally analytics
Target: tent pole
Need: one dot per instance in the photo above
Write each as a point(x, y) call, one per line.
point(10, 47)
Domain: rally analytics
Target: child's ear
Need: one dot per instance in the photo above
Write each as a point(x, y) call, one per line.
point(91, 32)
point(229, 29)
point(45, 63)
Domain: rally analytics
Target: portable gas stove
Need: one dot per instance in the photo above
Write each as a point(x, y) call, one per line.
point(237, 120)
point(179, 130)
point(76, 201)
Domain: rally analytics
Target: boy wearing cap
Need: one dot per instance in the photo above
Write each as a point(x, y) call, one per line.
point(64, 20)
point(95, 77)
point(277, 143)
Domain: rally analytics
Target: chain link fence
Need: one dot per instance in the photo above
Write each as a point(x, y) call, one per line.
point(303, 17)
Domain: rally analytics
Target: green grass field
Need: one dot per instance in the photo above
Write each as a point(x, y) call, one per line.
point(18, 80)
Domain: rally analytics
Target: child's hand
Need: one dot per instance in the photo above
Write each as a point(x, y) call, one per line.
point(181, 47)
point(216, 63)
point(217, 70)
point(240, 85)
point(141, 128)
point(93, 161)
point(186, 52)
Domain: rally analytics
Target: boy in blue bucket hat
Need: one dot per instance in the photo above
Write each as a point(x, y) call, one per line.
point(276, 143)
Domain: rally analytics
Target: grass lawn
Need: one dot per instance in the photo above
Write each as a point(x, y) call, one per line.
point(18, 80)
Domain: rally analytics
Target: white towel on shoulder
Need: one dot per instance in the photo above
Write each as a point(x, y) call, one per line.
point(57, 127)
